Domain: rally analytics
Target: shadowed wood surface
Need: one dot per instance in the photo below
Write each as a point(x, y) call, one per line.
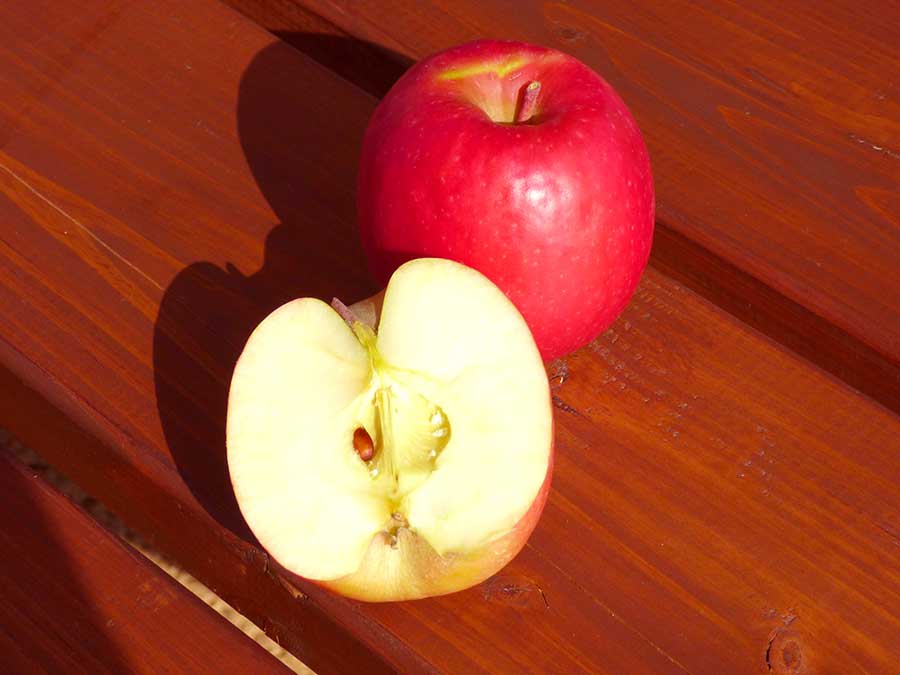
point(170, 173)
point(77, 600)
point(774, 132)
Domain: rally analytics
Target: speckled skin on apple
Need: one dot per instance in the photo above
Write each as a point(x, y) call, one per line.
point(557, 210)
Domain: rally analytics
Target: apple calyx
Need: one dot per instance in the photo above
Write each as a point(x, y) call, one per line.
point(397, 524)
point(400, 431)
point(528, 105)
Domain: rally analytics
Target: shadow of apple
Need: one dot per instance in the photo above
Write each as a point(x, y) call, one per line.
point(208, 312)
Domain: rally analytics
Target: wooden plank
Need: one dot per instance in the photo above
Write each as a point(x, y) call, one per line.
point(82, 103)
point(774, 132)
point(170, 174)
point(74, 599)
point(367, 65)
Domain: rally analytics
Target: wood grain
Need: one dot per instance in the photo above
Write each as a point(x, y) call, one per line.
point(774, 133)
point(172, 173)
point(369, 66)
point(74, 599)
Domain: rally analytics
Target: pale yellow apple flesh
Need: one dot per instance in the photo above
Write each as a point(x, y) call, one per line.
point(452, 391)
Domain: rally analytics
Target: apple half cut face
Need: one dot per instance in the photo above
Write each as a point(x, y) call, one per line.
point(399, 461)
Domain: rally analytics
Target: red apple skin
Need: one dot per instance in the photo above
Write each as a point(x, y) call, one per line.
point(557, 211)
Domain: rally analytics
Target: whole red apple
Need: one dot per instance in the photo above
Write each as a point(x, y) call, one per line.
point(519, 161)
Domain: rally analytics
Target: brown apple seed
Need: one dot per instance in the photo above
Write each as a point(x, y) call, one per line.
point(363, 444)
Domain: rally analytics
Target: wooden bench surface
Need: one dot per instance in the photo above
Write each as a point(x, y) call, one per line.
point(774, 132)
point(74, 599)
point(170, 173)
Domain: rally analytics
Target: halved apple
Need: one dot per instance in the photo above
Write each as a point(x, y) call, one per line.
point(397, 460)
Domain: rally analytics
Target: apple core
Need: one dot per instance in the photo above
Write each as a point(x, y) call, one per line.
point(406, 429)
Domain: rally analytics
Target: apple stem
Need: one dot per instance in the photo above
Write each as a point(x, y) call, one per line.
point(529, 102)
point(344, 311)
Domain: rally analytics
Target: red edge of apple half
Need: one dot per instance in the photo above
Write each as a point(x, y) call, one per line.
point(448, 337)
point(557, 210)
point(441, 576)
